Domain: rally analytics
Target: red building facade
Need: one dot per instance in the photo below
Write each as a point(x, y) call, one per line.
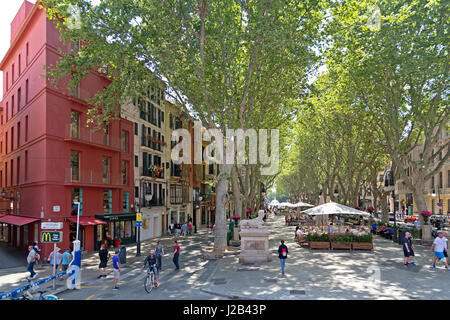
point(49, 158)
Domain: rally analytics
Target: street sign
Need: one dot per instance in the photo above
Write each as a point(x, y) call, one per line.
point(138, 223)
point(51, 236)
point(51, 225)
point(439, 204)
point(138, 216)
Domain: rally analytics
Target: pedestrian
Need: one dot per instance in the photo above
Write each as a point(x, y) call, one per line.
point(190, 228)
point(408, 250)
point(103, 255)
point(176, 255)
point(184, 229)
point(159, 252)
point(31, 259)
point(55, 260)
point(171, 226)
point(66, 259)
point(282, 254)
point(37, 250)
point(116, 269)
point(178, 228)
point(440, 250)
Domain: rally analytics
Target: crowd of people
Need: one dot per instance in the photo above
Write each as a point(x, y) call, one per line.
point(181, 229)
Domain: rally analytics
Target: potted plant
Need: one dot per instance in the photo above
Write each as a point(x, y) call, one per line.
point(318, 241)
point(426, 215)
point(371, 210)
point(363, 242)
point(236, 219)
point(342, 242)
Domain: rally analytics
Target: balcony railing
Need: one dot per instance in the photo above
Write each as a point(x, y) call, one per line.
point(90, 177)
point(86, 135)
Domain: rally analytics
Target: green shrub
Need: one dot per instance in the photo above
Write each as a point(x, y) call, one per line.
point(342, 239)
point(318, 238)
point(363, 238)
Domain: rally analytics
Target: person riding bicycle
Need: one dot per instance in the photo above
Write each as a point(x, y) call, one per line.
point(152, 265)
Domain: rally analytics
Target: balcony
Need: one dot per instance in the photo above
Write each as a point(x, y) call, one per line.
point(87, 136)
point(91, 177)
point(153, 172)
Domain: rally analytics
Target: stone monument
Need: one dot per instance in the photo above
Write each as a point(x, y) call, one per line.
point(254, 240)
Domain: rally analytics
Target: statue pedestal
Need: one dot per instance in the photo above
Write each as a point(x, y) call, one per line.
point(236, 234)
point(427, 237)
point(254, 245)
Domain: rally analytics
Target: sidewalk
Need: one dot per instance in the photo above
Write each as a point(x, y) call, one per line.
point(13, 278)
point(340, 275)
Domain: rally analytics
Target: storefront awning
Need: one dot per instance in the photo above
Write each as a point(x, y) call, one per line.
point(87, 221)
point(17, 220)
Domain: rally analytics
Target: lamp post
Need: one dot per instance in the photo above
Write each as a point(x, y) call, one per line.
point(389, 185)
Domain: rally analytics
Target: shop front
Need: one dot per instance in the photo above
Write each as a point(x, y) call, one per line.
point(86, 231)
point(18, 230)
point(118, 229)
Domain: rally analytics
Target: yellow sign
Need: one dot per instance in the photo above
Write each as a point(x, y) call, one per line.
point(138, 216)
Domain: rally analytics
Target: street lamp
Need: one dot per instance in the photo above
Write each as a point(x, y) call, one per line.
point(389, 185)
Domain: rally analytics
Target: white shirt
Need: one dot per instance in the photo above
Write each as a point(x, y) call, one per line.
point(440, 244)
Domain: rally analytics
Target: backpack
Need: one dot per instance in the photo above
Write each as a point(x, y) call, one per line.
point(283, 252)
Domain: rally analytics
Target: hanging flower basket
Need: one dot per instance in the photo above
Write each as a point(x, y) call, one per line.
point(370, 209)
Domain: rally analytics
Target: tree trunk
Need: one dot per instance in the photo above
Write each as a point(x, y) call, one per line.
point(384, 208)
point(220, 236)
point(236, 193)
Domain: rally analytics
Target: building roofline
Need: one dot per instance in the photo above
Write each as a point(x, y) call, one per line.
point(19, 33)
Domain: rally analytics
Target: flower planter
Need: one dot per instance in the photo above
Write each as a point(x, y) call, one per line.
point(319, 245)
point(362, 245)
point(341, 245)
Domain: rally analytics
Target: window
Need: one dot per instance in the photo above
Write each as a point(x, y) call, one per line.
point(126, 202)
point(75, 124)
point(12, 172)
point(125, 141)
point(27, 54)
point(77, 196)
point(124, 172)
point(440, 180)
point(136, 161)
point(26, 91)
point(136, 129)
point(18, 134)
point(107, 201)
point(20, 65)
point(106, 170)
point(106, 132)
point(76, 91)
point(26, 128)
point(6, 142)
point(18, 170)
point(7, 111)
point(7, 81)
point(136, 192)
point(26, 165)
point(75, 165)
point(176, 194)
point(12, 106)
point(19, 95)
point(6, 174)
point(1, 178)
point(12, 139)
point(12, 74)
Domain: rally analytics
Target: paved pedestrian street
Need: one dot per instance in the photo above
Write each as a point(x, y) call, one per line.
point(310, 274)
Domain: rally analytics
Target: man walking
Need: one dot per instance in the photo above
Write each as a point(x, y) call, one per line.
point(176, 255)
point(282, 254)
point(159, 252)
point(190, 228)
point(439, 247)
point(66, 259)
point(408, 250)
point(55, 259)
point(103, 255)
point(31, 259)
point(116, 269)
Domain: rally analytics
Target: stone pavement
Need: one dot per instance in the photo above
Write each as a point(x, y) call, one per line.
point(315, 274)
point(310, 274)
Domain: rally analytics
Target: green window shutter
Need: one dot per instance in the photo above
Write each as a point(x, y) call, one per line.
point(81, 201)
point(110, 201)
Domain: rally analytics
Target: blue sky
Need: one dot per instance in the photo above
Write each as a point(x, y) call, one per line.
point(7, 14)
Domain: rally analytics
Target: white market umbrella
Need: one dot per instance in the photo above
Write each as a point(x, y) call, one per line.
point(286, 204)
point(302, 204)
point(334, 208)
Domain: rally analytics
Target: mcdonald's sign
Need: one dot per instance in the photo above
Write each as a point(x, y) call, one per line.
point(51, 236)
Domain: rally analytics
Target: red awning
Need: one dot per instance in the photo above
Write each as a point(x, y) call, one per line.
point(87, 221)
point(17, 220)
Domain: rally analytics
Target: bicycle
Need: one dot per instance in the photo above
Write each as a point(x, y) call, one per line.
point(28, 296)
point(149, 281)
